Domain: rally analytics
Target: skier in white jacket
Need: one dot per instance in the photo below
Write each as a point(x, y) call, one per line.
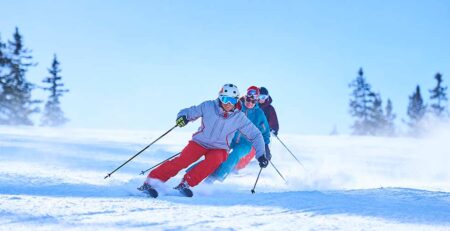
point(221, 118)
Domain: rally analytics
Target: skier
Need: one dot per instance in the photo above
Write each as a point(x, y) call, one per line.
point(241, 145)
point(265, 102)
point(220, 120)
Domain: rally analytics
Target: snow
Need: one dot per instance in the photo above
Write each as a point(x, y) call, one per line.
point(53, 179)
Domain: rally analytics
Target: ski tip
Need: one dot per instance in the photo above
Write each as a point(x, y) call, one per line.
point(253, 191)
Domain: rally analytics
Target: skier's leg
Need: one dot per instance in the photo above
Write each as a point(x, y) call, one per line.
point(191, 153)
point(233, 158)
point(246, 159)
point(213, 158)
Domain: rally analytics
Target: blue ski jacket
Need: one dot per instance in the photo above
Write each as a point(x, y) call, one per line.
point(258, 118)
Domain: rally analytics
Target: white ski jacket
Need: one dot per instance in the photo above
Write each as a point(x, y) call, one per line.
point(218, 127)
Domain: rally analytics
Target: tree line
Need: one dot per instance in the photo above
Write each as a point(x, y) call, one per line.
point(16, 102)
point(366, 106)
point(371, 118)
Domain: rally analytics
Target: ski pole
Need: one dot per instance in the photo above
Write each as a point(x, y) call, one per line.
point(253, 190)
point(289, 150)
point(278, 171)
point(109, 174)
point(162, 162)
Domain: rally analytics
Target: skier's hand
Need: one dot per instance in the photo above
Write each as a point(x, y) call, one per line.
point(268, 154)
point(274, 132)
point(263, 161)
point(182, 121)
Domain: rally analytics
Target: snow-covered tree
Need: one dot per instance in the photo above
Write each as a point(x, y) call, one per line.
point(53, 115)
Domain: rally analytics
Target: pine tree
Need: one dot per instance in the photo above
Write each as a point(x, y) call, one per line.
point(3, 62)
point(3, 58)
point(3, 67)
point(361, 104)
point(389, 126)
point(438, 94)
point(335, 131)
point(53, 115)
point(17, 105)
point(376, 116)
point(416, 109)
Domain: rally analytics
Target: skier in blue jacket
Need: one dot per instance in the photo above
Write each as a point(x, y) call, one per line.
point(240, 144)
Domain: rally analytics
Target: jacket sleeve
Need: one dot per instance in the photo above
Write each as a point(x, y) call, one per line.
point(264, 126)
point(253, 134)
point(274, 119)
point(194, 112)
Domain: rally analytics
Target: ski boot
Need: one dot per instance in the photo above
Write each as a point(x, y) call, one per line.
point(183, 188)
point(149, 190)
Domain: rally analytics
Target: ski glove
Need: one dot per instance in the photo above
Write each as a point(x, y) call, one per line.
point(182, 121)
point(268, 154)
point(274, 132)
point(263, 161)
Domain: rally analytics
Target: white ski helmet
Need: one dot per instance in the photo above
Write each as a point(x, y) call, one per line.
point(229, 90)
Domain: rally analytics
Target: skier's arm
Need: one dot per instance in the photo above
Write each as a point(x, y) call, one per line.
point(265, 128)
point(192, 113)
point(253, 135)
point(274, 124)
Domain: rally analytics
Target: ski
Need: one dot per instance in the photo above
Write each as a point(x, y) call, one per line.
point(151, 192)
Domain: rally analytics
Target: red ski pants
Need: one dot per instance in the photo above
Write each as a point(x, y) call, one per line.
point(191, 153)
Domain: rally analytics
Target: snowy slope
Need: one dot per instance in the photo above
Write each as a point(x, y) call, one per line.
point(52, 179)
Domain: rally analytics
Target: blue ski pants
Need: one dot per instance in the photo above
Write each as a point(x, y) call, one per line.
point(239, 151)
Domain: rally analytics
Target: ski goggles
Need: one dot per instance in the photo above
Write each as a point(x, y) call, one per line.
point(250, 99)
point(252, 92)
point(263, 97)
point(227, 100)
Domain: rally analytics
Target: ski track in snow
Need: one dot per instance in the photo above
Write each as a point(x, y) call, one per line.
point(52, 179)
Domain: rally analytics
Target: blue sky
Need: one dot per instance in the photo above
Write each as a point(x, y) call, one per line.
point(135, 64)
